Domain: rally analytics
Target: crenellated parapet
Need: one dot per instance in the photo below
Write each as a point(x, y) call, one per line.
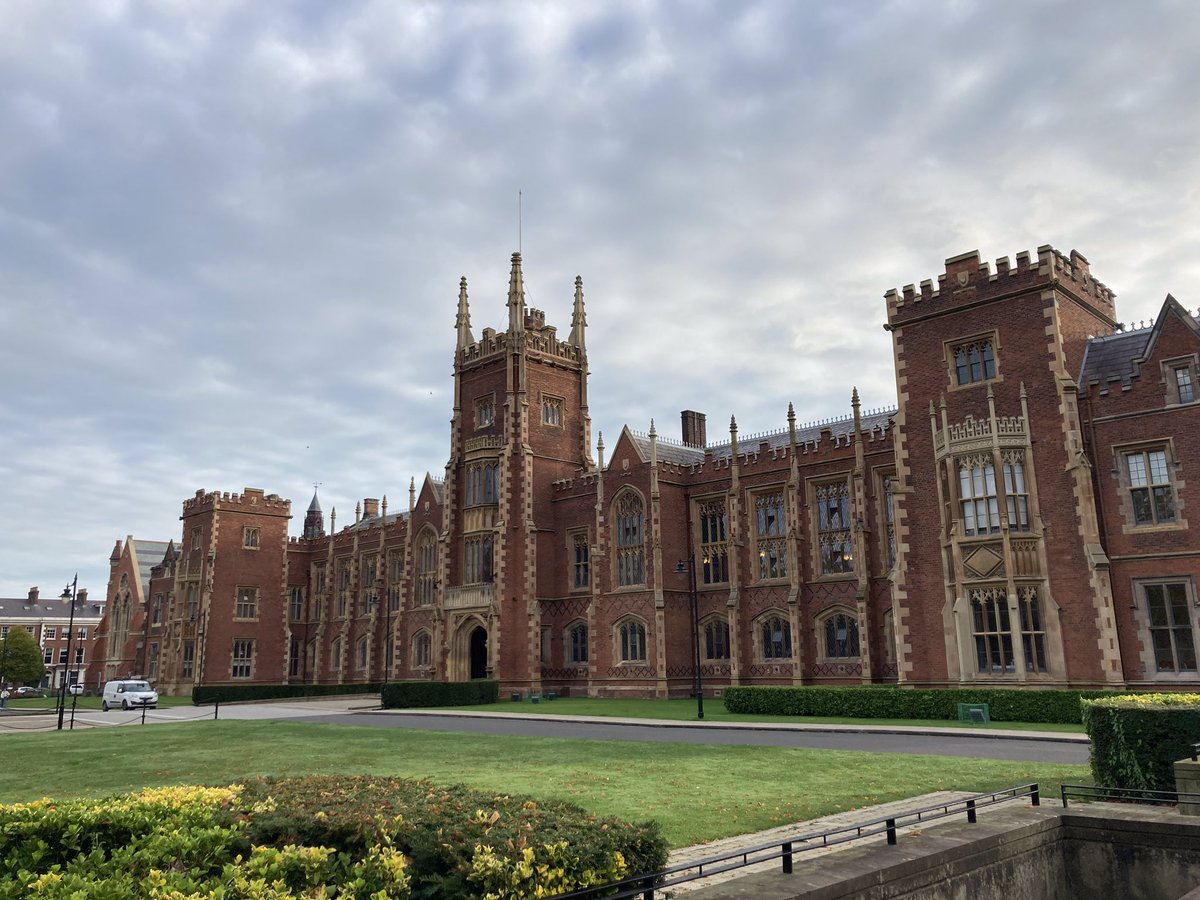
point(969, 280)
point(249, 500)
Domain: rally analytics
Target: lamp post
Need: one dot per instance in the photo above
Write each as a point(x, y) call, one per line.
point(68, 595)
point(698, 687)
point(386, 600)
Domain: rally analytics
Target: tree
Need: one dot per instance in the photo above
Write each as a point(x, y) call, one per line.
point(20, 658)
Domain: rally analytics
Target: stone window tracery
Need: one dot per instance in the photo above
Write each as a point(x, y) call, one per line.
point(477, 559)
point(247, 603)
point(833, 528)
point(840, 636)
point(1033, 630)
point(485, 411)
point(242, 658)
point(974, 361)
point(631, 636)
point(552, 410)
point(716, 638)
point(577, 642)
point(770, 531)
point(580, 561)
point(775, 638)
point(1172, 634)
point(629, 522)
point(422, 650)
point(426, 567)
point(483, 483)
point(714, 565)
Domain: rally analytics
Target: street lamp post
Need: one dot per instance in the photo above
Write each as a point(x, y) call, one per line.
point(698, 686)
point(386, 600)
point(68, 594)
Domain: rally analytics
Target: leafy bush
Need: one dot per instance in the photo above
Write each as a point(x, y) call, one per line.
point(1136, 738)
point(461, 842)
point(231, 693)
point(416, 694)
point(314, 837)
point(174, 842)
point(888, 702)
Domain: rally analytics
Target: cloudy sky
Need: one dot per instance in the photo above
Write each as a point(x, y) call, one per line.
point(231, 233)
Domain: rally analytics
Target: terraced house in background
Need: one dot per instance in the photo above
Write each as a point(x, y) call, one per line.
point(1021, 517)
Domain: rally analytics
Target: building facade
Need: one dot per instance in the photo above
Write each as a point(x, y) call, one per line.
point(66, 654)
point(1020, 518)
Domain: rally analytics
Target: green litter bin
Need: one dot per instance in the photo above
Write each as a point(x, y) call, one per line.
point(974, 713)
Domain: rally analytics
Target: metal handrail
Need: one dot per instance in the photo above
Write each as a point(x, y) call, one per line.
point(645, 885)
point(1141, 795)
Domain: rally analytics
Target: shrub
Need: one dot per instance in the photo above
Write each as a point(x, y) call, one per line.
point(889, 702)
point(318, 836)
point(1136, 738)
point(460, 842)
point(232, 693)
point(416, 694)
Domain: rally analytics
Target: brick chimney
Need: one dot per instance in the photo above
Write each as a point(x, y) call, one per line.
point(693, 429)
point(33, 595)
point(370, 507)
point(81, 597)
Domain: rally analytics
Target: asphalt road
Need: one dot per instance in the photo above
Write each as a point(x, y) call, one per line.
point(976, 745)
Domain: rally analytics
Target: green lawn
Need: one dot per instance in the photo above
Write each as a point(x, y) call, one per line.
point(697, 792)
point(714, 711)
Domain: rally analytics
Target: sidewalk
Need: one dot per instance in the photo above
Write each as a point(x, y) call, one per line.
point(1060, 736)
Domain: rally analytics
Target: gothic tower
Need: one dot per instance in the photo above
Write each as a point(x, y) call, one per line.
point(520, 423)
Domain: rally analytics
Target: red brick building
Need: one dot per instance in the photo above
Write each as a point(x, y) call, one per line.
point(49, 621)
point(1019, 518)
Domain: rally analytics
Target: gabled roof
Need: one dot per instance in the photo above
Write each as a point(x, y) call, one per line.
point(1119, 357)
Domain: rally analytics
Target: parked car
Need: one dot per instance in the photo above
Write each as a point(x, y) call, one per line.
point(76, 689)
point(128, 695)
point(27, 691)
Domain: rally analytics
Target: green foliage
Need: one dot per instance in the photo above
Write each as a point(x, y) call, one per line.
point(348, 836)
point(887, 702)
point(415, 694)
point(232, 693)
point(1137, 738)
point(460, 841)
point(20, 658)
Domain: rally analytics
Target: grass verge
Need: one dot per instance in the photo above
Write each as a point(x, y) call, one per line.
point(697, 792)
point(714, 711)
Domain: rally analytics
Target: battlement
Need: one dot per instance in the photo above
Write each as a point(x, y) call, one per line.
point(249, 500)
point(968, 279)
point(538, 338)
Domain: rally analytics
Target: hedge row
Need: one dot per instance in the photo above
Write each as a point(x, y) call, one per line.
point(343, 836)
point(410, 694)
point(888, 702)
point(231, 693)
point(1136, 738)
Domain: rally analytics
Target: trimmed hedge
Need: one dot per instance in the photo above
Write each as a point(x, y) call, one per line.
point(888, 702)
point(416, 694)
point(1136, 738)
point(317, 836)
point(231, 693)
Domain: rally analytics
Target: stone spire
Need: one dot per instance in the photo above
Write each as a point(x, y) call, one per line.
point(516, 298)
point(462, 321)
point(578, 318)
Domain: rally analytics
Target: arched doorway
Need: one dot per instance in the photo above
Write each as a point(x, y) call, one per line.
point(478, 653)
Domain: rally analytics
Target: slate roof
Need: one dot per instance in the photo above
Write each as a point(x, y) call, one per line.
point(149, 555)
point(677, 454)
point(19, 608)
point(1110, 358)
point(374, 521)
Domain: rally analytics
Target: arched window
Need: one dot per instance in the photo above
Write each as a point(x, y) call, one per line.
point(632, 637)
point(426, 567)
point(335, 654)
point(776, 634)
point(577, 642)
point(841, 636)
point(361, 653)
point(422, 650)
point(629, 519)
point(716, 639)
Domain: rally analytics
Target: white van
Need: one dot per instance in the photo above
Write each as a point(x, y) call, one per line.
point(128, 695)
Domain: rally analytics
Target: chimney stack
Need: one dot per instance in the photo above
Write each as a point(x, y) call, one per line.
point(693, 429)
point(33, 595)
